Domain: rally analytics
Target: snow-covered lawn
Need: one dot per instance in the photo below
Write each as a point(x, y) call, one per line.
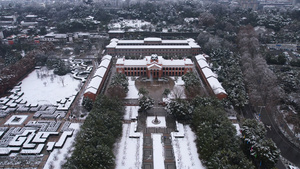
point(158, 151)
point(129, 151)
point(58, 156)
point(185, 150)
point(133, 91)
point(161, 119)
point(42, 87)
point(131, 112)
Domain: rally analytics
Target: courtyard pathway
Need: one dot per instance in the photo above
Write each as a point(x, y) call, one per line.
point(148, 159)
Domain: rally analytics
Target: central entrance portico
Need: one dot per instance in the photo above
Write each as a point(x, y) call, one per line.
point(154, 71)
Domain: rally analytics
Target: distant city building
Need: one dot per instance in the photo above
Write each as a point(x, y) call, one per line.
point(8, 20)
point(265, 4)
point(154, 66)
point(30, 20)
point(150, 46)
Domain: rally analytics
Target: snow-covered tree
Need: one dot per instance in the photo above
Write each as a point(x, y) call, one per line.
point(95, 141)
point(143, 91)
point(118, 86)
point(166, 92)
point(87, 103)
point(192, 85)
point(146, 103)
point(263, 150)
point(217, 143)
point(180, 109)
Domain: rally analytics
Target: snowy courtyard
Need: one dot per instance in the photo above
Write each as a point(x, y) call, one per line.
point(43, 87)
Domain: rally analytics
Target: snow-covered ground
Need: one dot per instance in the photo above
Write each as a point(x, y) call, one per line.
point(133, 91)
point(129, 150)
point(177, 91)
point(185, 150)
point(161, 119)
point(43, 87)
point(158, 151)
point(58, 156)
point(131, 112)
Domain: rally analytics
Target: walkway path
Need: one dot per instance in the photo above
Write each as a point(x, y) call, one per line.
point(169, 159)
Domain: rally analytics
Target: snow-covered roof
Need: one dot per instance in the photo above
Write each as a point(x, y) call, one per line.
point(31, 16)
point(112, 44)
point(202, 64)
point(152, 39)
point(106, 57)
point(91, 90)
point(147, 60)
point(200, 57)
point(116, 31)
point(51, 34)
point(95, 82)
point(129, 44)
point(60, 36)
point(216, 86)
point(130, 62)
point(208, 73)
point(104, 63)
point(176, 62)
point(153, 47)
point(154, 66)
point(100, 72)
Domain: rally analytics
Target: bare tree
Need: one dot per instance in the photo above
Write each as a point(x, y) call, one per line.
point(62, 80)
point(177, 92)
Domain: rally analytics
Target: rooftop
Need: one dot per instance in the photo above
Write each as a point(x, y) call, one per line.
point(147, 60)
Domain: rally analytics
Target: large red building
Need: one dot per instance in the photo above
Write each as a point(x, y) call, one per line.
point(97, 81)
point(154, 66)
point(150, 46)
point(209, 78)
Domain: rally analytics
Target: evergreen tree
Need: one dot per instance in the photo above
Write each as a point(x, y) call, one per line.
point(255, 144)
point(146, 103)
point(95, 141)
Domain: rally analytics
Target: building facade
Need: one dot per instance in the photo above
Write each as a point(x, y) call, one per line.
point(150, 46)
point(209, 77)
point(98, 80)
point(154, 66)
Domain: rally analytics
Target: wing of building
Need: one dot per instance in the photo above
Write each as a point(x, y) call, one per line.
point(98, 80)
point(209, 78)
point(150, 46)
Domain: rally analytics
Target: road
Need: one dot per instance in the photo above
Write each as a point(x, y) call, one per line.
point(288, 150)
